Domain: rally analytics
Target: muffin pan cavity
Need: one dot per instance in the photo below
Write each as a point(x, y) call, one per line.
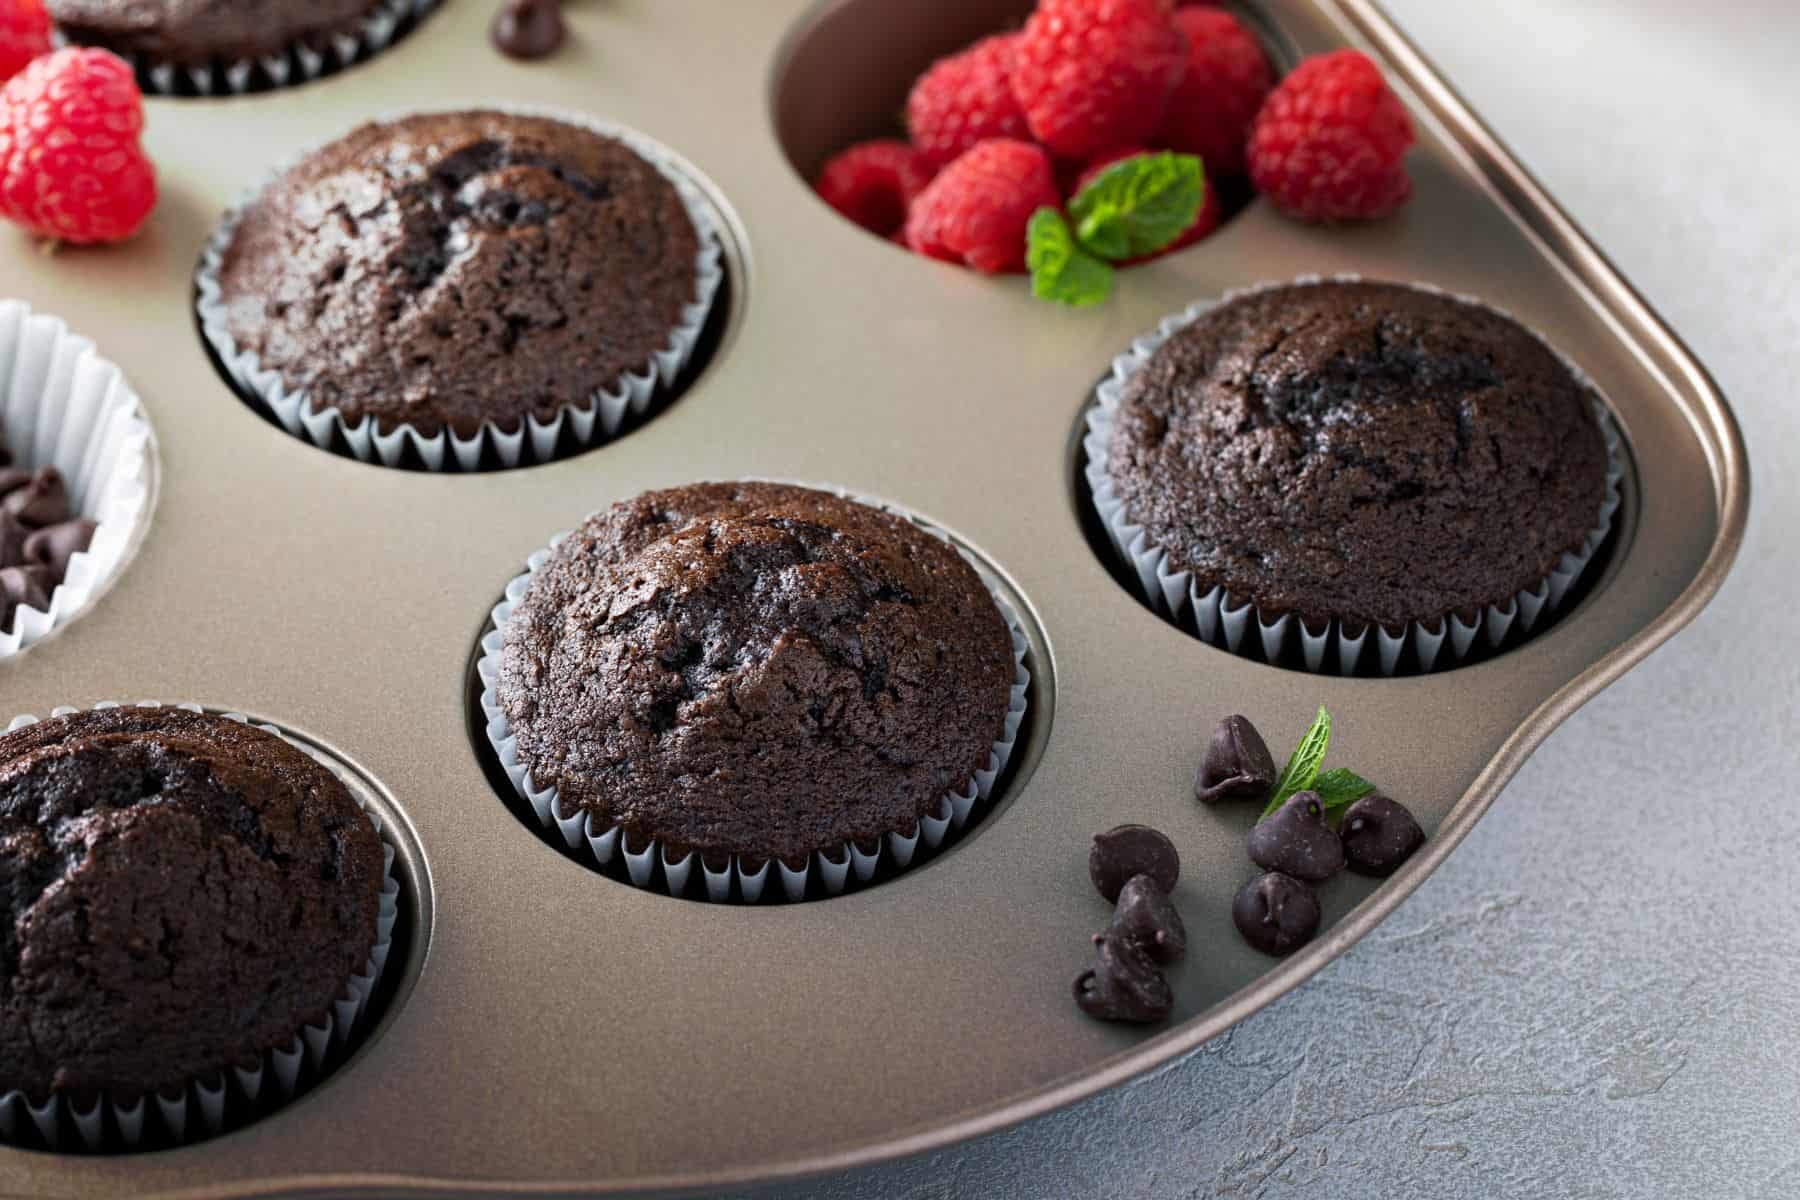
point(615, 855)
point(844, 71)
point(257, 1090)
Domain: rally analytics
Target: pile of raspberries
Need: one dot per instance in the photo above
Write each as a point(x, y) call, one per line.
point(1020, 120)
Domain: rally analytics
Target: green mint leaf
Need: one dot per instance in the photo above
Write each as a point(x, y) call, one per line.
point(1061, 270)
point(1303, 764)
point(1138, 205)
point(1340, 787)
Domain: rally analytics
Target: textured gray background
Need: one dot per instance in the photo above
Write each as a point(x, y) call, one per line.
point(1599, 994)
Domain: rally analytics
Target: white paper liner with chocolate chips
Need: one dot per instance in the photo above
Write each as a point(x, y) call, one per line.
point(1238, 625)
point(200, 1108)
point(599, 419)
point(77, 471)
point(851, 864)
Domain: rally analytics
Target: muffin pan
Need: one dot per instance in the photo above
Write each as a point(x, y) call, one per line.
point(564, 1034)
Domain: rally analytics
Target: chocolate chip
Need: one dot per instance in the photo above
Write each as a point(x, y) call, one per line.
point(1276, 913)
point(41, 501)
point(528, 29)
point(1123, 984)
point(1296, 840)
point(1129, 850)
point(1378, 835)
point(1146, 918)
point(23, 587)
point(1237, 764)
point(54, 545)
point(12, 540)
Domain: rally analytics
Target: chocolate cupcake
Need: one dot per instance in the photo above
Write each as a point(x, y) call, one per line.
point(752, 672)
point(463, 277)
point(228, 45)
point(185, 895)
point(1342, 456)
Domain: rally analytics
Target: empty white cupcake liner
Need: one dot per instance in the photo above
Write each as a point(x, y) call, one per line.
point(63, 406)
point(603, 845)
point(1240, 626)
point(598, 420)
point(299, 63)
point(203, 1107)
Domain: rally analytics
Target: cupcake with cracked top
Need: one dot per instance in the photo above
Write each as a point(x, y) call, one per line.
point(460, 271)
point(755, 670)
point(1369, 454)
point(179, 893)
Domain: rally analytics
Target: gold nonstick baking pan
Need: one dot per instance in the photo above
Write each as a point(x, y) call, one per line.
point(546, 1030)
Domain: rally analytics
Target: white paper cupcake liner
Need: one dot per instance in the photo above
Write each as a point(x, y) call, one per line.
point(600, 420)
point(604, 845)
point(202, 1107)
point(298, 63)
point(63, 406)
point(1240, 626)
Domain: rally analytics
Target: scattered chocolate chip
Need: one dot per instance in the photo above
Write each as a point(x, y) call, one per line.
point(1378, 834)
point(13, 536)
point(41, 501)
point(54, 545)
point(1276, 913)
point(1237, 764)
point(528, 29)
point(1123, 984)
point(1129, 850)
point(1295, 840)
point(1146, 918)
point(23, 587)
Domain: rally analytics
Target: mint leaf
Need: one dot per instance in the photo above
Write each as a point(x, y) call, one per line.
point(1061, 270)
point(1339, 787)
point(1303, 764)
point(1138, 205)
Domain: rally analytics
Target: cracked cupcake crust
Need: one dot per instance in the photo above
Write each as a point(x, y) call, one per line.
point(754, 669)
point(450, 269)
point(1360, 451)
point(178, 893)
point(201, 32)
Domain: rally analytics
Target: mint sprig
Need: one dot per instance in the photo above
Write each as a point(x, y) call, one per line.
point(1303, 764)
point(1060, 269)
point(1335, 788)
point(1136, 206)
point(1339, 787)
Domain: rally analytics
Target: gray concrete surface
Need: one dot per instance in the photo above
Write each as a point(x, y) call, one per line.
point(1599, 995)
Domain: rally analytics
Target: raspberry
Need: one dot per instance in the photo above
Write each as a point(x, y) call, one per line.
point(1226, 81)
point(1205, 221)
point(71, 168)
point(1094, 75)
point(1329, 144)
point(964, 99)
point(874, 184)
point(24, 34)
point(976, 210)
